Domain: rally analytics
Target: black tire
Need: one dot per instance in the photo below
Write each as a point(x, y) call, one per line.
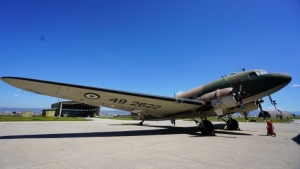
point(232, 124)
point(207, 128)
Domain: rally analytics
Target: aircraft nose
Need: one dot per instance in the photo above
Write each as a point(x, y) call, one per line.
point(286, 78)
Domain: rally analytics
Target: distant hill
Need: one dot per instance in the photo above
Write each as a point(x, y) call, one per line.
point(40, 110)
point(296, 112)
point(256, 112)
point(9, 109)
point(113, 112)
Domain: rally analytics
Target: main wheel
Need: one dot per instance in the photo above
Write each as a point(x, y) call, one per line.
point(207, 128)
point(232, 124)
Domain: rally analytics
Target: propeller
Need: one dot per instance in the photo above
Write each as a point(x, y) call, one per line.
point(240, 94)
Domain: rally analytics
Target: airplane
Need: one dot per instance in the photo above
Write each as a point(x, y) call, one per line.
point(239, 92)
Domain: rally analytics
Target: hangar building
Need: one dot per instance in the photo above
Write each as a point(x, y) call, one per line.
point(275, 114)
point(75, 109)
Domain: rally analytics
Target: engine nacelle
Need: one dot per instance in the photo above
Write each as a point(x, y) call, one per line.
point(220, 99)
point(145, 117)
point(248, 107)
point(148, 117)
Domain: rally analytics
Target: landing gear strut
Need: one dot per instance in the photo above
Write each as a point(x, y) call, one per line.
point(141, 123)
point(173, 122)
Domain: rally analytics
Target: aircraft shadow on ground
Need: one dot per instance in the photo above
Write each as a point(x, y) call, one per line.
point(219, 128)
point(297, 139)
point(164, 130)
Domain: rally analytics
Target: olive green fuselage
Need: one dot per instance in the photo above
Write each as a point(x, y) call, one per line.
point(253, 84)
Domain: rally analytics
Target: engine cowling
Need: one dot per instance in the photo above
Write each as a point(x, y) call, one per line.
point(220, 99)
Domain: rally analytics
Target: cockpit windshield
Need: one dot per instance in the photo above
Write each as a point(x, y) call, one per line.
point(253, 74)
point(257, 73)
point(261, 72)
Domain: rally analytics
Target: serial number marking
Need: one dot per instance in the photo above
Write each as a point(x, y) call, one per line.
point(135, 103)
point(116, 100)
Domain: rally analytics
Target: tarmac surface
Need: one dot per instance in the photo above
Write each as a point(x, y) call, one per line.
point(124, 144)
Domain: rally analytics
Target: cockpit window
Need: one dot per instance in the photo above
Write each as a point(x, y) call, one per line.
point(261, 72)
point(253, 74)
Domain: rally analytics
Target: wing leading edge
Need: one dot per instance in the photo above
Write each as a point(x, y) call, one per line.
point(134, 102)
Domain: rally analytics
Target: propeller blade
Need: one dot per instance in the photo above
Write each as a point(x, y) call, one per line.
point(243, 109)
point(241, 88)
point(241, 102)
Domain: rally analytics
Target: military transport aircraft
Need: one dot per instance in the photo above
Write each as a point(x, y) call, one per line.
point(239, 92)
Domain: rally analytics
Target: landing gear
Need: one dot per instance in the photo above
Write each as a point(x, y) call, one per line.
point(232, 124)
point(141, 123)
point(205, 126)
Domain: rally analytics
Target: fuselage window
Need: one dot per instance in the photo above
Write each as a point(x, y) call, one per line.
point(253, 74)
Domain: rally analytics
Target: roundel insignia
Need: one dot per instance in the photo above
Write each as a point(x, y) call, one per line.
point(91, 96)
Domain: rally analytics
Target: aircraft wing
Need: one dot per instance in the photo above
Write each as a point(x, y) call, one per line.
point(134, 102)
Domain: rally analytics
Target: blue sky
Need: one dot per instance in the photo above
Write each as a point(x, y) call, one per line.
point(146, 46)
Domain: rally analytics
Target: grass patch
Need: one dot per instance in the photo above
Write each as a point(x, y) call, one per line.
point(115, 117)
point(40, 118)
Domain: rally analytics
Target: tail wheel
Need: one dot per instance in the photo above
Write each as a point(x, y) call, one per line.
point(206, 128)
